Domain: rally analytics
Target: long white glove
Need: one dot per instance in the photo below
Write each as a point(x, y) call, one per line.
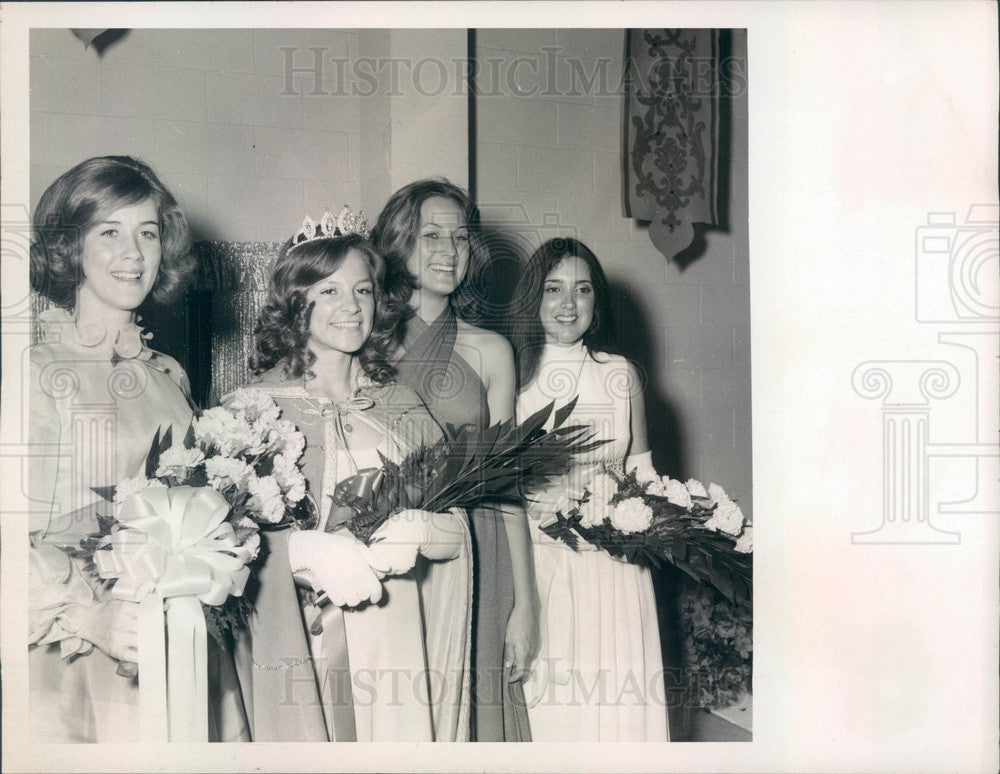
point(408, 533)
point(112, 625)
point(338, 564)
point(642, 464)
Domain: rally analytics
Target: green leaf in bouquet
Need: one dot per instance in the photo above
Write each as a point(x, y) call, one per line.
point(189, 439)
point(563, 529)
point(563, 413)
point(153, 456)
point(485, 442)
point(534, 423)
point(167, 440)
point(197, 476)
point(105, 492)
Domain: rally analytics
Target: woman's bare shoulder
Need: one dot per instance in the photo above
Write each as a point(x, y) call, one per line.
point(486, 341)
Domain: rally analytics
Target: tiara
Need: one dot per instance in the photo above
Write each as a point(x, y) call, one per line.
point(345, 223)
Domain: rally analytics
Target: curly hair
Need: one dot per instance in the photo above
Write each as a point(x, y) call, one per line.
point(526, 332)
point(282, 329)
point(395, 237)
point(82, 198)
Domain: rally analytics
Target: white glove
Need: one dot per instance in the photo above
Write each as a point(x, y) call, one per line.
point(407, 533)
point(398, 541)
point(642, 464)
point(445, 534)
point(338, 564)
point(112, 625)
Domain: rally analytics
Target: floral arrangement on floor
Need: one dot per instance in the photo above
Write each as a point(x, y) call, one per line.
point(465, 468)
point(718, 647)
point(654, 520)
point(189, 525)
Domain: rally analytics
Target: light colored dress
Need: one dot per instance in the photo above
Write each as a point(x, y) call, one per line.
point(397, 670)
point(599, 673)
point(95, 407)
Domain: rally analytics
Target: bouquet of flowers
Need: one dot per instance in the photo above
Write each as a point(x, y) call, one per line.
point(466, 467)
point(191, 522)
point(701, 531)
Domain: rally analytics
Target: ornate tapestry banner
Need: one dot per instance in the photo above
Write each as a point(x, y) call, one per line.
point(672, 129)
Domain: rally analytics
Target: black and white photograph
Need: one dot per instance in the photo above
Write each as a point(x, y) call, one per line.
point(392, 374)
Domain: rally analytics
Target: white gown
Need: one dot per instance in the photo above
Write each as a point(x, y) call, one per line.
point(599, 674)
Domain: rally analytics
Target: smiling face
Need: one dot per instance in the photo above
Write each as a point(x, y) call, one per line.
point(440, 257)
point(121, 257)
point(567, 307)
point(344, 309)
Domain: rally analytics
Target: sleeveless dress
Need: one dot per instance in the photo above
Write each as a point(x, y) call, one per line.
point(95, 406)
point(455, 395)
point(599, 674)
point(396, 670)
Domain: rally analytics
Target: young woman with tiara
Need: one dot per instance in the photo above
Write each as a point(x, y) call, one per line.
point(428, 234)
point(107, 234)
point(372, 646)
point(598, 675)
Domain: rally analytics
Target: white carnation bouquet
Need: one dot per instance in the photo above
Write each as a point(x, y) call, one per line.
point(700, 530)
point(196, 511)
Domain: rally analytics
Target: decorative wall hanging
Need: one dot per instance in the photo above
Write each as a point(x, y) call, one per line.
point(671, 164)
point(99, 39)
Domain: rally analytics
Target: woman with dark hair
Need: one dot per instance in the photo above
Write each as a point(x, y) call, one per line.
point(107, 234)
point(599, 675)
point(373, 645)
point(428, 233)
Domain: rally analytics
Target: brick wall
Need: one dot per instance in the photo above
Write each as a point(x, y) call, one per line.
point(548, 162)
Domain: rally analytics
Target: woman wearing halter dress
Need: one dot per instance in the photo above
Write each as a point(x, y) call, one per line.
point(599, 674)
point(428, 235)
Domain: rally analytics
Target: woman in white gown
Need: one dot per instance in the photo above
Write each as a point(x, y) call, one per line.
point(107, 234)
point(599, 674)
point(376, 646)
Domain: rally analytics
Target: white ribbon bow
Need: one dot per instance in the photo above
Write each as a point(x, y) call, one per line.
point(175, 542)
point(174, 551)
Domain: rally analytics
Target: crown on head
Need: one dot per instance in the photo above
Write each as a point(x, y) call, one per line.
point(344, 223)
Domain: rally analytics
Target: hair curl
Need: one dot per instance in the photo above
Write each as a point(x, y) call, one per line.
point(82, 198)
point(395, 237)
point(525, 325)
point(282, 329)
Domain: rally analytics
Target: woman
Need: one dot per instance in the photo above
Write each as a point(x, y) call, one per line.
point(375, 649)
point(428, 234)
point(107, 234)
point(599, 675)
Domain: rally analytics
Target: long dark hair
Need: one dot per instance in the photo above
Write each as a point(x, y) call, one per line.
point(526, 332)
point(83, 197)
point(282, 329)
point(395, 236)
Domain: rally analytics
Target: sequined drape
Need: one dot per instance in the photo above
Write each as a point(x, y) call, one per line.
point(234, 276)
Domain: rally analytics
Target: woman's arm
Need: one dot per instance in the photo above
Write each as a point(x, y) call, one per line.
point(522, 628)
point(640, 434)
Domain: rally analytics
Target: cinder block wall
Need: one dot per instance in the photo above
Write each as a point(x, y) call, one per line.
point(210, 112)
point(548, 157)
